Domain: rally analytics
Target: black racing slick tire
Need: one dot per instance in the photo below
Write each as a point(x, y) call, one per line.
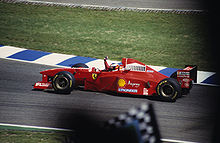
point(168, 89)
point(80, 65)
point(63, 82)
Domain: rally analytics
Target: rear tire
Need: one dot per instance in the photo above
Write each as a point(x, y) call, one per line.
point(168, 89)
point(184, 91)
point(63, 82)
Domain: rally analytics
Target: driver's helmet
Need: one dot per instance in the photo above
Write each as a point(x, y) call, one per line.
point(114, 66)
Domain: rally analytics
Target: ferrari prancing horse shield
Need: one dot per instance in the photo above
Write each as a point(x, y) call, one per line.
point(94, 76)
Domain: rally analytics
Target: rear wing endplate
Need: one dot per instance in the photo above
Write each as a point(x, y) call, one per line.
point(190, 71)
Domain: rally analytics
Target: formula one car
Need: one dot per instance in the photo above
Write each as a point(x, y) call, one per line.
point(130, 77)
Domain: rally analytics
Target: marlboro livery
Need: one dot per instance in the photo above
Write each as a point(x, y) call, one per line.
point(130, 77)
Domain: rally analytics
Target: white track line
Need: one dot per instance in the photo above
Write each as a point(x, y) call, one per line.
point(35, 127)
point(176, 141)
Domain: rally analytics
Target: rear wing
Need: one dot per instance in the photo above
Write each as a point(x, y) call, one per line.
point(190, 72)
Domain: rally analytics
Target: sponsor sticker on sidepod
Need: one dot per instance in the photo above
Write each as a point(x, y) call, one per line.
point(42, 84)
point(127, 90)
point(133, 84)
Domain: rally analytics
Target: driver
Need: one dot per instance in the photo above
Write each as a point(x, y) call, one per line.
point(113, 66)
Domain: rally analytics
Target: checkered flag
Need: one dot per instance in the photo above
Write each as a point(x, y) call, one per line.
point(138, 125)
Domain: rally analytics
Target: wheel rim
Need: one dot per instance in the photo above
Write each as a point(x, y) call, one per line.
point(167, 90)
point(62, 82)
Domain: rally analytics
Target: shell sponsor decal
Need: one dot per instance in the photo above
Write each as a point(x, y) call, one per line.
point(121, 82)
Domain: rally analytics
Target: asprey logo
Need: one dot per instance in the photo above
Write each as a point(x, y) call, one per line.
point(133, 84)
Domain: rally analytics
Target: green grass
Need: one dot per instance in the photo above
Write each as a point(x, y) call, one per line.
point(19, 136)
point(170, 40)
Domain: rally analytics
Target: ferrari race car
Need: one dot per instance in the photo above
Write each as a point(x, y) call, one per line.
point(130, 77)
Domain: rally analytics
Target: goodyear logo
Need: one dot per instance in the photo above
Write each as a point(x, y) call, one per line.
point(121, 82)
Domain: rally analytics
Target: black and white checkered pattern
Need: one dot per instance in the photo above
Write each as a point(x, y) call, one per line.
point(142, 119)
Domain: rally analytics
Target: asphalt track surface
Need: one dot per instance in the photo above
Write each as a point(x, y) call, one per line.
point(158, 4)
point(190, 118)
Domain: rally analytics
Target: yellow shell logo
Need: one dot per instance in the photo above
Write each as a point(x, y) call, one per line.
point(121, 82)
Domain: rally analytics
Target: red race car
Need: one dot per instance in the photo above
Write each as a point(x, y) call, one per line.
point(130, 77)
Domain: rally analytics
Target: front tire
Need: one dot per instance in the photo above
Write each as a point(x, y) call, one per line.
point(169, 89)
point(63, 82)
